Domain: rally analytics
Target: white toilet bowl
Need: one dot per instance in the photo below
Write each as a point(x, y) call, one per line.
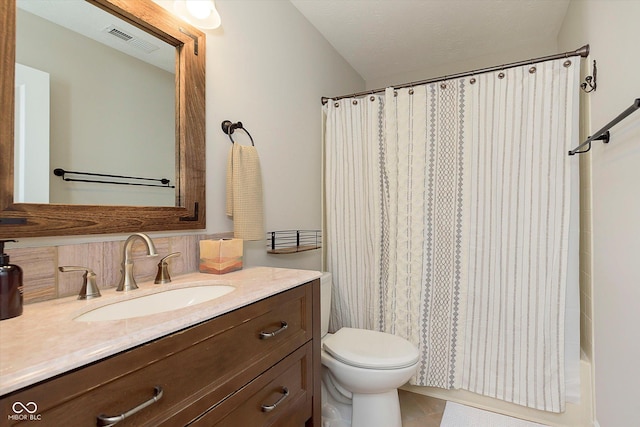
point(362, 371)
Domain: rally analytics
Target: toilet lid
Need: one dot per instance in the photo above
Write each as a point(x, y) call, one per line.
point(370, 349)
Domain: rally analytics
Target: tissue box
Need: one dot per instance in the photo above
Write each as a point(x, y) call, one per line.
point(220, 256)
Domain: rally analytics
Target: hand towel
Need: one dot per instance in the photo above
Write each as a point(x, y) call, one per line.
point(244, 193)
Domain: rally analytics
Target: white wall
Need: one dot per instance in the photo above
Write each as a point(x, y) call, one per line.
point(268, 67)
point(609, 28)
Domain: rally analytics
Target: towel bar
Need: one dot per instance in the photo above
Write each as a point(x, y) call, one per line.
point(603, 134)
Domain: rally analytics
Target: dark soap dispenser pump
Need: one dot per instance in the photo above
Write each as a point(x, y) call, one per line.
point(10, 286)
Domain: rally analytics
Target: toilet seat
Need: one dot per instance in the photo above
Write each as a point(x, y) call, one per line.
point(370, 349)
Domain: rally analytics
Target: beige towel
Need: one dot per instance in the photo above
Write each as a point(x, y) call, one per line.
point(244, 193)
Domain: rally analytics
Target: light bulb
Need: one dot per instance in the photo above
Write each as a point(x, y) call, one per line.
point(201, 13)
point(199, 9)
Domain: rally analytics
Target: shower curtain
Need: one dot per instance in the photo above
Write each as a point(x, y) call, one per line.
point(447, 216)
point(353, 208)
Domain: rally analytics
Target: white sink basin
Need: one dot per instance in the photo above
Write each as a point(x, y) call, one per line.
point(156, 303)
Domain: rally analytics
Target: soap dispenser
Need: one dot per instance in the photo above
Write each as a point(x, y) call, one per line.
point(10, 286)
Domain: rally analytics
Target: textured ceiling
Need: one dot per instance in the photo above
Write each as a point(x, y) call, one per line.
point(386, 37)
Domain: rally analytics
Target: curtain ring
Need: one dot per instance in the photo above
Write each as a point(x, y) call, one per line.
point(411, 91)
point(354, 102)
point(472, 80)
point(532, 70)
point(501, 75)
point(372, 98)
point(337, 104)
point(567, 63)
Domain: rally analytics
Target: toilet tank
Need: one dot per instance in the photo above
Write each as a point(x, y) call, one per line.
point(325, 302)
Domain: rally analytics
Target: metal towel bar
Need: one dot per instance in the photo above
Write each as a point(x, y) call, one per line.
point(603, 134)
point(62, 173)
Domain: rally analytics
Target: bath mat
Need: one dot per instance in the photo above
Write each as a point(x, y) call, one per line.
point(456, 415)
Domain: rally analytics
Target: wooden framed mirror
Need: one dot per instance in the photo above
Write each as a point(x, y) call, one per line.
point(37, 219)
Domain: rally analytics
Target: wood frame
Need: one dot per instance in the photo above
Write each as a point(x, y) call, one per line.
point(35, 220)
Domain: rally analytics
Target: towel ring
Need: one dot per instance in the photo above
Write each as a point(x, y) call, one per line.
point(228, 127)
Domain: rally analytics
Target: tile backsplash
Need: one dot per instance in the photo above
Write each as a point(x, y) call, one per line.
point(42, 280)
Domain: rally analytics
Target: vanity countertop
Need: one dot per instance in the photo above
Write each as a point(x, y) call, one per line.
point(45, 341)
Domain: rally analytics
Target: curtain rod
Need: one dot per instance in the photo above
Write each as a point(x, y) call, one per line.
point(583, 52)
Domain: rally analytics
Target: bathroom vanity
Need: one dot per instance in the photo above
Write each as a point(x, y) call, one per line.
point(249, 359)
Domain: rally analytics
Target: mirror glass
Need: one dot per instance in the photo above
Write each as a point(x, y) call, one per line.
point(94, 94)
point(188, 209)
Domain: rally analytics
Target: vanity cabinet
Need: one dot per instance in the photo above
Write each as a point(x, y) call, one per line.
point(255, 366)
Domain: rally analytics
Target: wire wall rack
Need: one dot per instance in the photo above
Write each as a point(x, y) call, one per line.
point(292, 241)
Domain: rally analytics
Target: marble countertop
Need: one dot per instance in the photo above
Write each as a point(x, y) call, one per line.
point(45, 341)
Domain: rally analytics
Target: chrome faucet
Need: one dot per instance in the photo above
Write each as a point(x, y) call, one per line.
point(127, 281)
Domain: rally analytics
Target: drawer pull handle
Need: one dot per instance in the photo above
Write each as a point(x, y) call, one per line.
point(269, 408)
point(265, 335)
point(106, 421)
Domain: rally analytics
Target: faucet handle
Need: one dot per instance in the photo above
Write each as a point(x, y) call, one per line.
point(162, 276)
point(89, 287)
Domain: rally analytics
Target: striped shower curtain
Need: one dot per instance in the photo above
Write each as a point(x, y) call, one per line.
point(524, 122)
point(353, 207)
point(447, 209)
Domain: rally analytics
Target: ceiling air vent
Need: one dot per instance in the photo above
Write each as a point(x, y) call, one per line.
point(120, 34)
point(130, 39)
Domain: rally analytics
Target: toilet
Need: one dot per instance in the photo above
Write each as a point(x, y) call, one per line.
point(361, 372)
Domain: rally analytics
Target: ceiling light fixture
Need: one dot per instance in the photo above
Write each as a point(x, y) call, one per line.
point(201, 13)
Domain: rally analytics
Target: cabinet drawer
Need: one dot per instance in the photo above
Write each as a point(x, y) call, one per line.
point(196, 368)
point(280, 397)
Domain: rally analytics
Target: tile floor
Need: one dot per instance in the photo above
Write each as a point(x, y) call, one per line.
point(420, 411)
